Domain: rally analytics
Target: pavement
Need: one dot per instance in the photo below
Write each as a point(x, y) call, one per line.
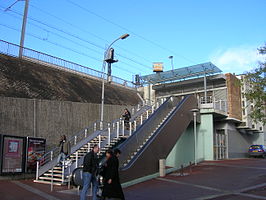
point(239, 179)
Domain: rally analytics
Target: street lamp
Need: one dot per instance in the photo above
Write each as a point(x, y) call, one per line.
point(171, 58)
point(195, 110)
point(122, 37)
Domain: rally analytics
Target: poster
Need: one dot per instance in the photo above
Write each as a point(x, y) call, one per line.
point(35, 150)
point(12, 157)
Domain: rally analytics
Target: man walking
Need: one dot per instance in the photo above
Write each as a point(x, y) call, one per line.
point(64, 147)
point(90, 170)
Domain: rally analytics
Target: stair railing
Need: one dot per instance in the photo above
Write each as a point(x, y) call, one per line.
point(83, 137)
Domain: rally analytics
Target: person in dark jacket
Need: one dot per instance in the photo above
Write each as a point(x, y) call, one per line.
point(112, 187)
point(127, 117)
point(64, 149)
point(90, 170)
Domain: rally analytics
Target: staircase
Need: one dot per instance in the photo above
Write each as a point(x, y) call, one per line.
point(48, 170)
point(155, 138)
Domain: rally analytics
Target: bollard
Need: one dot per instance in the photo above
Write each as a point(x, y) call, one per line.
point(182, 171)
point(162, 167)
point(190, 167)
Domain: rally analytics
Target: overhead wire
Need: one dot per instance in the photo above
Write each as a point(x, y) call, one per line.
point(85, 31)
point(65, 47)
point(77, 37)
point(132, 32)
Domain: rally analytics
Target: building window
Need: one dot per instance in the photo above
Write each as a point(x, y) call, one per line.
point(244, 111)
point(253, 126)
point(260, 128)
point(243, 103)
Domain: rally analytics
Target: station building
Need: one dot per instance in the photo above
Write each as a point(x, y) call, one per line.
point(225, 130)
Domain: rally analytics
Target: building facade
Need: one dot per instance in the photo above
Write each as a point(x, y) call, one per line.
point(226, 130)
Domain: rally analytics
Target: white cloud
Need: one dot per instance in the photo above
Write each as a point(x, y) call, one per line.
point(237, 59)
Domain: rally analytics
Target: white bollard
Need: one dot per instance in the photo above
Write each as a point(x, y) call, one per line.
point(162, 167)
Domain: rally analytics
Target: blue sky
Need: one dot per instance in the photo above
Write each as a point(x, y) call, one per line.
point(226, 32)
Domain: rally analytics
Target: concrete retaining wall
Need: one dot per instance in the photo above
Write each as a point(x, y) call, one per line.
point(50, 119)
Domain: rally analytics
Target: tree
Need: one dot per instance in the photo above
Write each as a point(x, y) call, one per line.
point(257, 90)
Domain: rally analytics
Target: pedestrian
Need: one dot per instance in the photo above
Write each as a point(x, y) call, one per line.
point(64, 149)
point(90, 172)
point(112, 188)
point(127, 117)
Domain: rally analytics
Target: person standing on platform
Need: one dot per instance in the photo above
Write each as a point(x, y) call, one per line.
point(112, 188)
point(90, 172)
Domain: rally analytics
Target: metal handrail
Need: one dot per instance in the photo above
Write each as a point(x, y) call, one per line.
point(43, 58)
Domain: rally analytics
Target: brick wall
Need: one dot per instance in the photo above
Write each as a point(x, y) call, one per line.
point(233, 96)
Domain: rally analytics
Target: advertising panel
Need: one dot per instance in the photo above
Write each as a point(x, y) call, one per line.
point(12, 154)
point(157, 67)
point(35, 150)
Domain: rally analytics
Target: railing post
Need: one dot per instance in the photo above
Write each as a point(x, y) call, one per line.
point(63, 171)
point(130, 128)
point(117, 129)
point(123, 127)
point(99, 141)
point(113, 126)
point(147, 113)
point(152, 109)
point(133, 111)
point(75, 140)
point(141, 120)
point(220, 104)
point(52, 180)
point(138, 106)
point(37, 170)
point(135, 125)
point(52, 154)
point(157, 105)
point(77, 157)
point(85, 134)
point(95, 126)
point(109, 135)
point(89, 147)
point(101, 125)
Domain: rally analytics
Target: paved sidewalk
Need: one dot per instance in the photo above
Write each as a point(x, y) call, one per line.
point(240, 179)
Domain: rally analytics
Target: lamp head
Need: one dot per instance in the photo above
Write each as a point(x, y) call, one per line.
point(122, 37)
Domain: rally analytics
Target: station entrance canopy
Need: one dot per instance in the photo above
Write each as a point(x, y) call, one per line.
point(189, 72)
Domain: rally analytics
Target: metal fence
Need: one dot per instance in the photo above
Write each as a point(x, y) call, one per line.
point(213, 103)
point(45, 59)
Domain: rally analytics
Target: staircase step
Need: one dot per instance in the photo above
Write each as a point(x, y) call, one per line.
point(48, 182)
point(50, 174)
point(49, 178)
point(55, 171)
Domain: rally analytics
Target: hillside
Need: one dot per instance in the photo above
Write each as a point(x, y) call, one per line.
point(25, 79)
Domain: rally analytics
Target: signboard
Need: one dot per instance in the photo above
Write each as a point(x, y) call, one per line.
point(157, 67)
point(12, 154)
point(35, 150)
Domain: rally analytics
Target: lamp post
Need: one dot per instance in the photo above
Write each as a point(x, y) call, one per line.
point(122, 37)
point(194, 111)
point(171, 58)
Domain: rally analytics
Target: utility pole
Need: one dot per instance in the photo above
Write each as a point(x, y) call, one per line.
point(23, 28)
point(24, 23)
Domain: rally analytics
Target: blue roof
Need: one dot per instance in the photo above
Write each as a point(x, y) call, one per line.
point(181, 73)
